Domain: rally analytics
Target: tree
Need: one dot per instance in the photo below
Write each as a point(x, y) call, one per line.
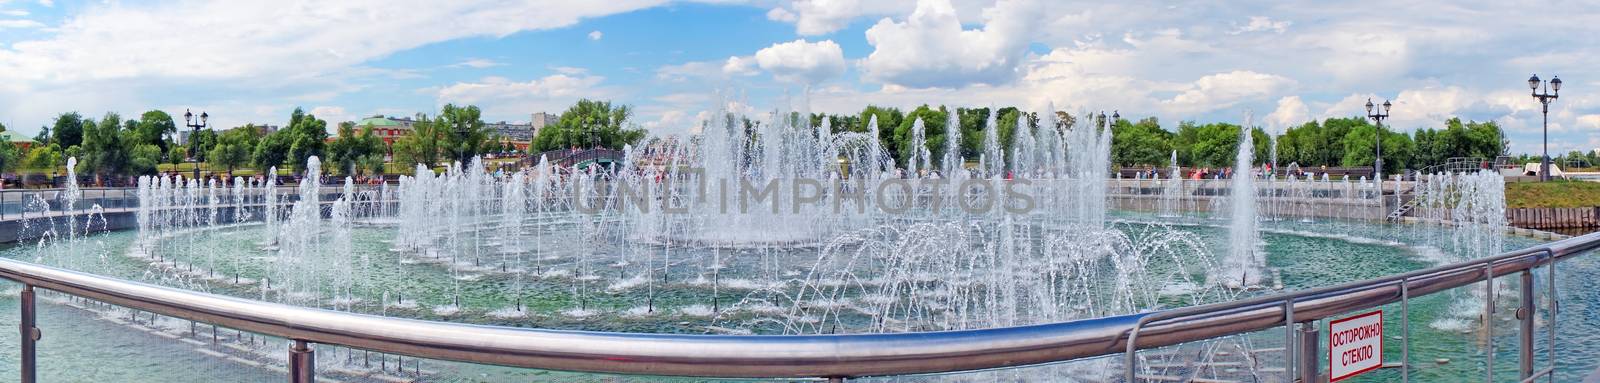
point(10, 156)
point(307, 137)
point(349, 148)
point(372, 164)
point(177, 154)
point(44, 137)
point(1360, 149)
point(421, 146)
point(201, 143)
point(143, 159)
point(463, 132)
point(888, 120)
point(68, 129)
point(933, 122)
point(153, 127)
point(590, 123)
point(972, 120)
point(1141, 143)
point(271, 151)
point(104, 152)
point(232, 149)
point(1215, 144)
point(43, 157)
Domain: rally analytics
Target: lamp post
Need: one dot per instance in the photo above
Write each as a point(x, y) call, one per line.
point(188, 121)
point(1551, 92)
point(1378, 116)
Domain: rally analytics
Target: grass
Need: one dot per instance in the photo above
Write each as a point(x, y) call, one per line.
point(1553, 194)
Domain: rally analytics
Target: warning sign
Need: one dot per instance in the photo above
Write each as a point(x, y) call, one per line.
point(1355, 345)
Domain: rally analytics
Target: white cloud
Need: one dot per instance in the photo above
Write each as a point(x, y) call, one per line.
point(815, 17)
point(305, 38)
point(930, 48)
point(1224, 90)
point(501, 98)
point(781, 14)
point(333, 115)
point(595, 35)
point(1261, 23)
point(256, 51)
point(1291, 112)
point(567, 70)
point(20, 24)
point(740, 66)
point(801, 61)
point(1382, 55)
point(15, 12)
point(477, 63)
point(679, 73)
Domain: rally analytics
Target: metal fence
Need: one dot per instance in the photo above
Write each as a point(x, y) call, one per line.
point(833, 357)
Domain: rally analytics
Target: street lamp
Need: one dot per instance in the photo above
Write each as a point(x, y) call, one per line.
point(188, 122)
point(1378, 116)
point(1552, 91)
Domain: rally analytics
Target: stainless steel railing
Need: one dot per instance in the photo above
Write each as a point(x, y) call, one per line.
point(834, 357)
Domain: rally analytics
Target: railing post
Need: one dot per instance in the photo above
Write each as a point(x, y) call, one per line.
point(302, 363)
point(30, 336)
point(1525, 336)
point(1308, 356)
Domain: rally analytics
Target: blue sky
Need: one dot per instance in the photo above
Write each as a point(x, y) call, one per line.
point(1284, 62)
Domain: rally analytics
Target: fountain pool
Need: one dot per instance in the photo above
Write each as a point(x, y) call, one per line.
point(641, 247)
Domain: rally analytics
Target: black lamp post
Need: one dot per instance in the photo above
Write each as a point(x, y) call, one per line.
point(1552, 91)
point(594, 136)
point(1378, 116)
point(193, 136)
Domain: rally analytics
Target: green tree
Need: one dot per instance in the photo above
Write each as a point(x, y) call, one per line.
point(462, 128)
point(44, 137)
point(307, 137)
point(1360, 149)
point(1141, 143)
point(421, 146)
point(590, 123)
point(43, 157)
point(154, 127)
point(889, 120)
point(1215, 144)
point(143, 159)
point(10, 156)
point(177, 154)
point(933, 122)
point(104, 152)
point(201, 143)
point(972, 120)
point(272, 150)
point(68, 129)
point(232, 150)
point(349, 148)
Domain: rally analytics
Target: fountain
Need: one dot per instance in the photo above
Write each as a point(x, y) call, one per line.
point(775, 226)
point(1245, 263)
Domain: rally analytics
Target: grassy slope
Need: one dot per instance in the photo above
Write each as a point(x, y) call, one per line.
point(1553, 194)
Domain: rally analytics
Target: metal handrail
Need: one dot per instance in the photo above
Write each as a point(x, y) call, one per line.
point(768, 356)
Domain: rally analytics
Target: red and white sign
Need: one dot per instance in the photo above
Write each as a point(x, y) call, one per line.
point(1355, 345)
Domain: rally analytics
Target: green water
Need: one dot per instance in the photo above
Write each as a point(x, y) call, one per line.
point(82, 346)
